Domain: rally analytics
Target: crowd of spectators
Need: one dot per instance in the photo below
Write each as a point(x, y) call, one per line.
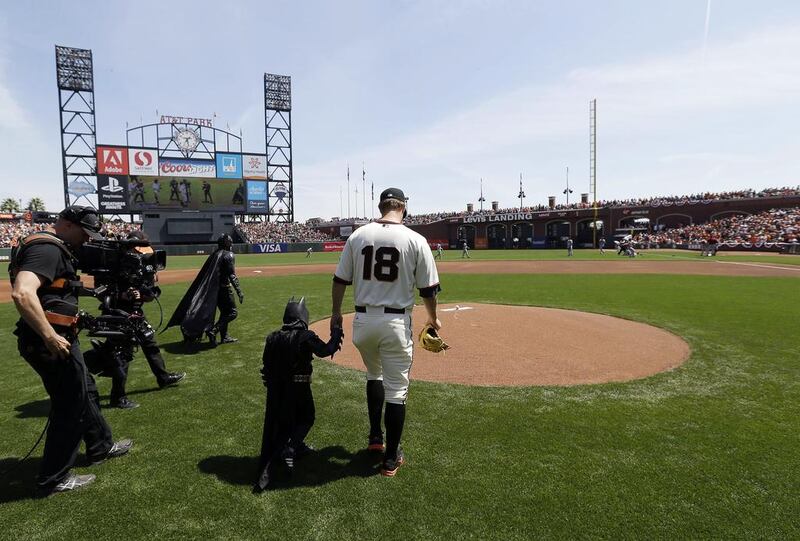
point(261, 232)
point(120, 228)
point(12, 231)
point(776, 225)
point(705, 197)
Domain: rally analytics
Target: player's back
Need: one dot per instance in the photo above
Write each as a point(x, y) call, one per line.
point(386, 261)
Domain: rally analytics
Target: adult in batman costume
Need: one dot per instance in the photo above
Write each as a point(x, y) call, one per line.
point(286, 374)
point(212, 288)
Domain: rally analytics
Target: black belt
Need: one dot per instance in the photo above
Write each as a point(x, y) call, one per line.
point(386, 310)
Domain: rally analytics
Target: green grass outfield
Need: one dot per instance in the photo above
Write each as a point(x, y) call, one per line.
point(708, 450)
point(255, 260)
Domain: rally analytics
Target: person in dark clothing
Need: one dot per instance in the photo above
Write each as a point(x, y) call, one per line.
point(207, 192)
point(45, 282)
point(174, 195)
point(212, 288)
point(116, 354)
point(238, 195)
point(286, 374)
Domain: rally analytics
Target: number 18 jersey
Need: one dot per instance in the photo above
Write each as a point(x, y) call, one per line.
point(385, 261)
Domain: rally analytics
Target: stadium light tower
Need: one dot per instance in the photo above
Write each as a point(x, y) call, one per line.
point(593, 163)
point(278, 128)
point(75, 78)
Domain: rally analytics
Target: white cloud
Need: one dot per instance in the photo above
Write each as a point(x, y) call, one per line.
point(643, 107)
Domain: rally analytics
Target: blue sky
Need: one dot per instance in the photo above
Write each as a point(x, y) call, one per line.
point(431, 95)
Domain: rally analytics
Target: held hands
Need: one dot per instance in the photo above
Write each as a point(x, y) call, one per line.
point(57, 345)
point(336, 322)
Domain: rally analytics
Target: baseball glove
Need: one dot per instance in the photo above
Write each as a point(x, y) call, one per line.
point(429, 339)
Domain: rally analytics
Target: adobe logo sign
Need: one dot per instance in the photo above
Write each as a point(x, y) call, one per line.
point(112, 161)
point(143, 161)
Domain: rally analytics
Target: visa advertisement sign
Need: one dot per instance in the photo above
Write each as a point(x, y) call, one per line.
point(270, 248)
point(229, 165)
point(256, 196)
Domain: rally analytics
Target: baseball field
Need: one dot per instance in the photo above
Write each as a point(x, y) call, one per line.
point(708, 449)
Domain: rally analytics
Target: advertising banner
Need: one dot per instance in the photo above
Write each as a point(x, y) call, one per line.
point(269, 248)
point(169, 167)
point(254, 166)
point(79, 187)
point(256, 196)
point(229, 165)
point(112, 160)
point(337, 246)
point(142, 161)
point(186, 193)
point(112, 193)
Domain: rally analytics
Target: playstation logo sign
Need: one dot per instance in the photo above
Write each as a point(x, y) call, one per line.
point(112, 193)
point(113, 186)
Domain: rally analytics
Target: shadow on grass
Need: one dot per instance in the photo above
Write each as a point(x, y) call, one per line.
point(318, 468)
point(179, 347)
point(19, 483)
point(37, 408)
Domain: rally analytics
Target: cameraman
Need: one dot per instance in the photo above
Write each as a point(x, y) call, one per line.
point(131, 301)
point(45, 292)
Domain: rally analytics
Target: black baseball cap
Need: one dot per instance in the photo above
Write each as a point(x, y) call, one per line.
point(393, 193)
point(86, 217)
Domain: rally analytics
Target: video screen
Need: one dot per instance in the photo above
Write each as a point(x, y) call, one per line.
point(184, 193)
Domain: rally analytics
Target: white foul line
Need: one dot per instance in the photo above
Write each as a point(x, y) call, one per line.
point(757, 265)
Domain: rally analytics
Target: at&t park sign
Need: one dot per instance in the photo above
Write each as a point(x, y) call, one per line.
point(169, 119)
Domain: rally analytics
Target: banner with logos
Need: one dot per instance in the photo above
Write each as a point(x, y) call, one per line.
point(257, 196)
point(336, 246)
point(254, 166)
point(269, 248)
point(143, 161)
point(170, 167)
point(112, 193)
point(229, 165)
point(112, 160)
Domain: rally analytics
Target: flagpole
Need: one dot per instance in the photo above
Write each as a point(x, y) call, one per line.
point(341, 208)
point(372, 191)
point(481, 199)
point(364, 189)
point(348, 190)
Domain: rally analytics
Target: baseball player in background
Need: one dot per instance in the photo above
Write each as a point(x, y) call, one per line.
point(465, 250)
point(385, 261)
point(309, 251)
point(569, 248)
point(439, 251)
point(602, 243)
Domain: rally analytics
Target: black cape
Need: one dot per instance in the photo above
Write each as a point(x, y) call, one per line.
point(288, 352)
point(195, 313)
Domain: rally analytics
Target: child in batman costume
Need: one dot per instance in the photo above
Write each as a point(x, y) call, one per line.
point(287, 376)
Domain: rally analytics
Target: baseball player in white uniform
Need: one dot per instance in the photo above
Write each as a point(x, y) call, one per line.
point(439, 251)
point(385, 261)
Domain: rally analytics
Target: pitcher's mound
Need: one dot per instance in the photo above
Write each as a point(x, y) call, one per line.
point(523, 345)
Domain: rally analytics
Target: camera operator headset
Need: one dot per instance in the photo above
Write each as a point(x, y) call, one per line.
point(134, 289)
point(45, 292)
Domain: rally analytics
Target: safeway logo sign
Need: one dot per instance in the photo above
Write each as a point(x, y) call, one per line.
point(113, 186)
point(112, 161)
point(143, 161)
